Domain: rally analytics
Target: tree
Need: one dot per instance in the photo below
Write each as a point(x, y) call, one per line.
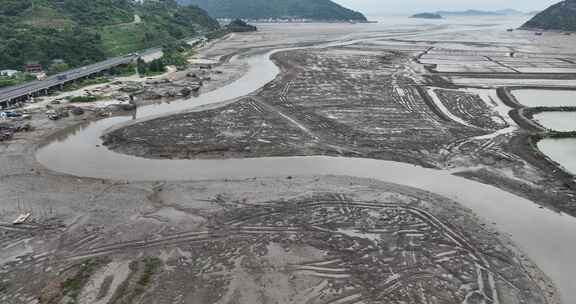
point(56, 68)
point(142, 66)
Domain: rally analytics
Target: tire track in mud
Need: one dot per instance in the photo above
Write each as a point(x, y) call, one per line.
point(238, 229)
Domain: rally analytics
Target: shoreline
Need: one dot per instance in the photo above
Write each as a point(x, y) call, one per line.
point(557, 195)
point(528, 142)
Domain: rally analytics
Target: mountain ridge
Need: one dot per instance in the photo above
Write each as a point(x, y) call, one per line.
point(318, 10)
point(560, 16)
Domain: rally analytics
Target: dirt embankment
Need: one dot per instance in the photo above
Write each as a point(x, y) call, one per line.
point(318, 105)
point(525, 142)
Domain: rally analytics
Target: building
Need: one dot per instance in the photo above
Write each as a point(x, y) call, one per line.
point(33, 68)
point(8, 73)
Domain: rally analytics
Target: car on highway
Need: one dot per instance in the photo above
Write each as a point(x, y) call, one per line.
point(10, 114)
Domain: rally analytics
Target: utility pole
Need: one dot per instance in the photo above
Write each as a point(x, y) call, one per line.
point(33, 13)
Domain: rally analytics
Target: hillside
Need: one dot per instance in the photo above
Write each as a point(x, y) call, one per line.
point(320, 10)
point(84, 31)
point(560, 16)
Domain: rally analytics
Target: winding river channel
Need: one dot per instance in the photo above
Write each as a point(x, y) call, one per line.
point(548, 237)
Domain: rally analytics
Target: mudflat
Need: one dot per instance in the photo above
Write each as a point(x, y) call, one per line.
point(425, 95)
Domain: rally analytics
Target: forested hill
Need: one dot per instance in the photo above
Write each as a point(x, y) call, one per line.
point(321, 10)
point(560, 16)
point(84, 31)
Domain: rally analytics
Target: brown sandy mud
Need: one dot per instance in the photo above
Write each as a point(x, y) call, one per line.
point(366, 100)
point(423, 95)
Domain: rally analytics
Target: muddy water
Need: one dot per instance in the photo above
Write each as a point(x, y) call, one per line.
point(557, 121)
point(547, 98)
point(562, 151)
point(551, 243)
point(260, 71)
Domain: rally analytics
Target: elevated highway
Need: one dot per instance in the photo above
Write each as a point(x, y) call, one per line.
point(14, 94)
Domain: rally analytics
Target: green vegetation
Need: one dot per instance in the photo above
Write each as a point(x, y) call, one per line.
point(174, 53)
point(141, 275)
point(84, 98)
point(95, 12)
point(56, 68)
point(561, 16)
point(22, 43)
point(74, 284)
point(151, 266)
point(84, 31)
point(117, 40)
point(323, 10)
point(6, 81)
point(84, 83)
point(123, 70)
point(152, 68)
point(217, 34)
point(161, 22)
point(238, 26)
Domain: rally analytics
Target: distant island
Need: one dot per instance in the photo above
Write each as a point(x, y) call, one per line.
point(427, 16)
point(297, 10)
point(510, 12)
point(471, 12)
point(559, 17)
point(468, 13)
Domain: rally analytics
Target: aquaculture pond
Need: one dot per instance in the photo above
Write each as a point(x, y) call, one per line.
point(557, 121)
point(562, 151)
point(545, 98)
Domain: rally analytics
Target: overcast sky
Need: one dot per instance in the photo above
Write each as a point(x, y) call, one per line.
point(371, 7)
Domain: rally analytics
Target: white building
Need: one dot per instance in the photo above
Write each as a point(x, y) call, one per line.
point(8, 73)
